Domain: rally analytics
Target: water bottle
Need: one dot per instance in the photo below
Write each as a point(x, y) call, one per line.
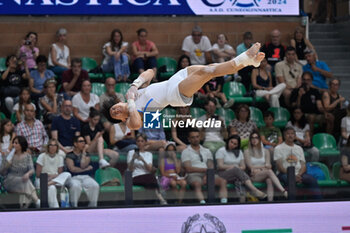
point(64, 195)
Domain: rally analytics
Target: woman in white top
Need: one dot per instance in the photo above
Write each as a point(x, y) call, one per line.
point(140, 162)
point(231, 166)
point(116, 58)
point(83, 101)
point(221, 50)
point(7, 134)
point(51, 162)
point(59, 56)
point(122, 137)
point(258, 161)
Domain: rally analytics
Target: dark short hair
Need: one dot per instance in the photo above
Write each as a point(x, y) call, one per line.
point(106, 106)
point(41, 58)
point(76, 138)
point(247, 35)
point(22, 141)
point(269, 114)
point(234, 136)
point(307, 73)
point(331, 80)
point(93, 112)
point(141, 135)
point(8, 59)
point(76, 60)
point(290, 48)
point(209, 99)
point(141, 30)
point(191, 130)
point(239, 109)
point(288, 129)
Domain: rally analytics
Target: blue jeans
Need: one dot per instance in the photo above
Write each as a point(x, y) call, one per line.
point(120, 66)
point(58, 70)
point(307, 180)
point(149, 63)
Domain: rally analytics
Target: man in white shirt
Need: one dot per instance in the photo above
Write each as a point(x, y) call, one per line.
point(197, 160)
point(289, 154)
point(197, 47)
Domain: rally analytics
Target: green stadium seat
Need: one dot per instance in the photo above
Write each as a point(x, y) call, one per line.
point(13, 118)
point(98, 88)
point(227, 114)
point(327, 182)
point(257, 116)
point(88, 63)
point(197, 112)
point(2, 116)
point(122, 88)
point(282, 116)
point(336, 173)
point(236, 91)
point(3, 66)
point(326, 144)
point(170, 65)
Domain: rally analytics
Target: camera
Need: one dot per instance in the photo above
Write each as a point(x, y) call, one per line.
point(304, 86)
point(27, 42)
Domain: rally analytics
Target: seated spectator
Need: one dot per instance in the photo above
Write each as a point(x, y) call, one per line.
point(333, 104)
point(289, 154)
point(122, 137)
point(241, 48)
point(213, 137)
point(300, 43)
point(243, 125)
point(38, 78)
point(78, 164)
point(7, 135)
point(33, 130)
point(319, 70)
point(144, 53)
point(345, 127)
point(83, 101)
point(17, 168)
point(258, 161)
point(271, 136)
point(274, 50)
point(345, 162)
point(51, 163)
point(302, 133)
point(72, 79)
point(170, 168)
point(156, 140)
point(197, 47)
point(196, 161)
point(221, 50)
point(308, 99)
point(289, 72)
point(180, 134)
point(24, 98)
point(28, 52)
point(50, 103)
point(116, 58)
point(183, 62)
point(64, 127)
point(59, 56)
point(140, 164)
point(92, 132)
point(262, 83)
point(231, 166)
point(13, 79)
point(213, 89)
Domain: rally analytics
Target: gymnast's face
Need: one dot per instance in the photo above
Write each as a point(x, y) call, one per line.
point(119, 111)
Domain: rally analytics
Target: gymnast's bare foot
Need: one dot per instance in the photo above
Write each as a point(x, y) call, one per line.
point(254, 54)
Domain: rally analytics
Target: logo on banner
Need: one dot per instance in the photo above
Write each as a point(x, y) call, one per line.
point(245, 3)
point(151, 120)
point(203, 224)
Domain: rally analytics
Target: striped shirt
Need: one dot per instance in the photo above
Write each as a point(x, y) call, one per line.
point(36, 135)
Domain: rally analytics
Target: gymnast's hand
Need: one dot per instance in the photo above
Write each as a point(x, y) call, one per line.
point(132, 93)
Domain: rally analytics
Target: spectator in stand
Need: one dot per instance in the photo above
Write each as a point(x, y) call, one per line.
point(241, 48)
point(33, 130)
point(289, 72)
point(183, 62)
point(7, 135)
point(38, 78)
point(65, 127)
point(319, 70)
point(156, 140)
point(24, 98)
point(197, 47)
point(258, 161)
point(92, 132)
point(300, 43)
point(289, 154)
point(197, 160)
point(302, 133)
point(78, 164)
point(28, 52)
point(116, 58)
point(213, 89)
point(51, 163)
point(213, 137)
point(59, 56)
point(17, 168)
point(122, 137)
point(274, 50)
point(231, 166)
point(271, 136)
point(221, 50)
point(309, 100)
point(72, 79)
point(140, 164)
point(345, 127)
point(344, 173)
point(243, 125)
point(333, 104)
point(144, 53)
point(83, 101)
point(51, 102)
point(13, 79)
point(262, 83)
point(180, 134)
point(170, 168)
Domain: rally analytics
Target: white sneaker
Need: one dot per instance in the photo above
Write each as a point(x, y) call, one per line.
point(103, 163)
point(229, 103)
